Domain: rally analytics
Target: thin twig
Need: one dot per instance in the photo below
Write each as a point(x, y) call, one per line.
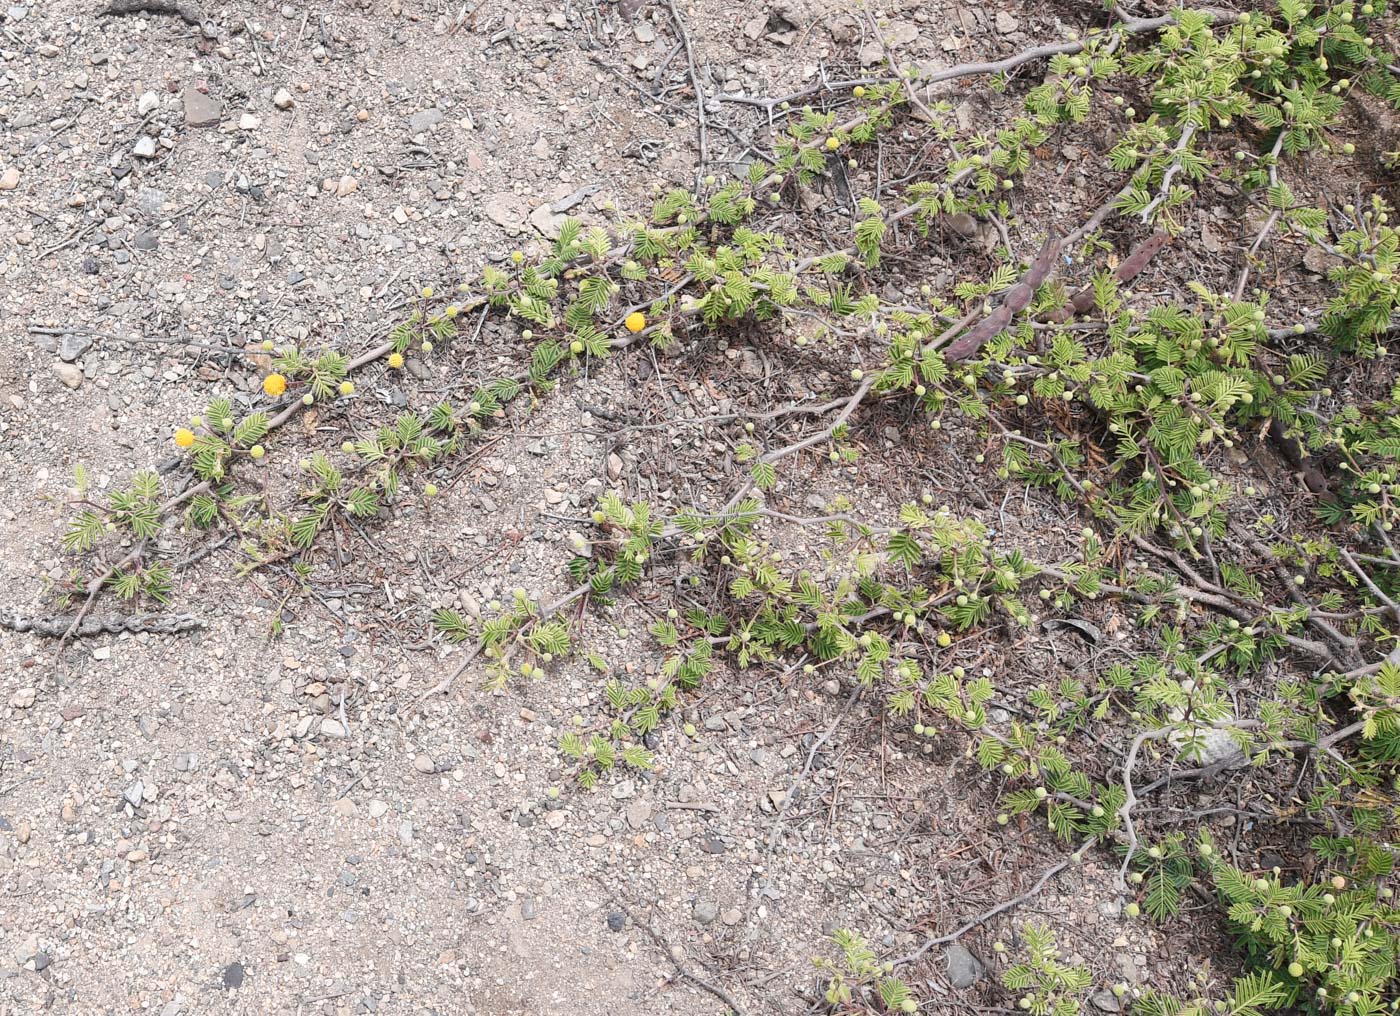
point(699, 91)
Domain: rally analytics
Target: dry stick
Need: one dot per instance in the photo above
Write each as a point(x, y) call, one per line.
point(1000, 908)
point(1164, 189)
point(681, 971)
point(1131, 800)
point(1268, 223)
point(154, 340)
point(807, 768)
point(699, 92)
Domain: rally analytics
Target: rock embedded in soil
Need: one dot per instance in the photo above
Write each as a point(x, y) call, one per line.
point(964, 969)
point(202, 110)
point(9, 179)
point(71, 346)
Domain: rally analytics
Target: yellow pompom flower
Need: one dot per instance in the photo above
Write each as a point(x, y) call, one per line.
point(427, 292)
point(184, 437)
point(635, 321)
point(396, 360)
point(347, 388)
point(274, 384)
point(257, 451)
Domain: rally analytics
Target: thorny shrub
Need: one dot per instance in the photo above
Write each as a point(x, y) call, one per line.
point(1120, 404)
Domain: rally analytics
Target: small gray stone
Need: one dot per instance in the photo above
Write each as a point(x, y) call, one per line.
point(1105, 1000)
point(151, 201)
point(964, 969)
point(617, 921)
point(529, 910)
point(624, 790)
point(73, 345)
point(135, 793)
point(705, 912)
point(145, 148)
point(233, 975)
point(146, 240)
point(425, 120)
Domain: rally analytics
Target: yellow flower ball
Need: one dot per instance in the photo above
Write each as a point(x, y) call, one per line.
point(184, 437)
point(257, 451)
point(396, 360)
point(347, 388)
point(832, 144)
point(274, 384)
point(427, 292)
point(635, 321)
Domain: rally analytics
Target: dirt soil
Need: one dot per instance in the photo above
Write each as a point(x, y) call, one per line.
point(220, 822)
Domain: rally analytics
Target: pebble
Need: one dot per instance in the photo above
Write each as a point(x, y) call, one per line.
point(9, 179)
point(424, 763)
point(249, 122)
point(201, 109)
point(233, 975)
point(964, 969)
point(1006, 23)
point(705, 912)
point(617, 921)
point(283, 99)
point(732, 916)
point(70, 376)
point(148, 103)
point(145, 148)
point(1106, 1001)
point(332, 728)
point(24, 697)
point(346, 185)
point(624, 790)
